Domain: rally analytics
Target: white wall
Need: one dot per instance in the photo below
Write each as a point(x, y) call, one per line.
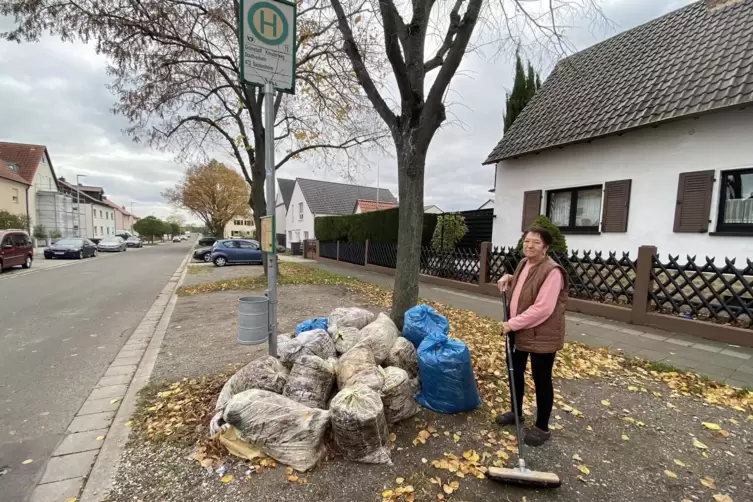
point(92, 225)
point(293, 223)
point(280, 217)
point(653, 158)
point(43, 180)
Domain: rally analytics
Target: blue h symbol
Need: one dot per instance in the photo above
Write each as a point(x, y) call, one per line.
point(272, 23)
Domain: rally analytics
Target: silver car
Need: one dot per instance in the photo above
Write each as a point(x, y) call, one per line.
point(112, 244)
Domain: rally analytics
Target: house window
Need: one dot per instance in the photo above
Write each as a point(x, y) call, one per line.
point(736, 201)
point(95, 230)
point(290, 236)
point(101, 230)
point(15, 195)
point(575, 209)
point(298, 236)
point(300, 211)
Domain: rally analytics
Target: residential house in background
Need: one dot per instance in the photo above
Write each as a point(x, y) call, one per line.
point(644, 138)
point(14, 190)
point(284, 195)
point(32, 163)
point(124, 220)
point(94, 216)
point(312, 198)
point(489, 204)
point(367, 206)
point(240, 226)
point(432, 210)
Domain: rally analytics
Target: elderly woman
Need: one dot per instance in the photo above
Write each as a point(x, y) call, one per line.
point(536, 326)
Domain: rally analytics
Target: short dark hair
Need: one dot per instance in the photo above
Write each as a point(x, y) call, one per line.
point(542, 232)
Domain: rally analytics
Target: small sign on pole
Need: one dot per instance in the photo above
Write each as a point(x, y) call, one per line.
point(268, 39)
point(268, 234)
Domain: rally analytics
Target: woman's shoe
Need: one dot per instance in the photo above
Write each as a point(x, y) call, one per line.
point(507, 418)
point(536, 437)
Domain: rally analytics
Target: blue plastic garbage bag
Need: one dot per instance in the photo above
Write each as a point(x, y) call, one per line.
point(447, 381)
point(422, 321)
point(310, 324)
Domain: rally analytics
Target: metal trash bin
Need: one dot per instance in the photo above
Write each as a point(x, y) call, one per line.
point(253, 320)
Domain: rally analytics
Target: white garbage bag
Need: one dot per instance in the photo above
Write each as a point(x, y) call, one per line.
point(379, 336)
point(316, 342)
point(372, 377)
point(349, 317)
point(345, 338)
point(398, 394)
point(266, 373)
point(359, 426)
point(310, 382)
point(403, 355)
point(289, 432)
point(353, 362)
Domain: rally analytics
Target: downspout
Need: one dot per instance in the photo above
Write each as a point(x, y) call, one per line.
point(28, 216)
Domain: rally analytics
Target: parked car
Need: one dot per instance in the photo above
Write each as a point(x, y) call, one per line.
point(16, 248)
point(207, 241)
point(183, 237)
point(112, 244)
point(176, 239)
point(73, 247)
point(203, 254)
point(235, 251)
point(134, 242)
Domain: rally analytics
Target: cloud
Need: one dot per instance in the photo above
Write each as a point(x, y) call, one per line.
point(54, 93)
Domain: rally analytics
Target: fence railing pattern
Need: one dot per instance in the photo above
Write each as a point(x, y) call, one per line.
point(460, 265)
point(328, 250)
point(703, 290)
point(383, 255)
point(353, 253)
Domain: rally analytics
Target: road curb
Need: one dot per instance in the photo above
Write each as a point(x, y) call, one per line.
point(98, 433)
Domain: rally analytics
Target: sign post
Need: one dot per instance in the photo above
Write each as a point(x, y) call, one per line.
point(267, 45)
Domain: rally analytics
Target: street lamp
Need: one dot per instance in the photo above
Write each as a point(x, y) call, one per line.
point(78, 202)
point(131, 217)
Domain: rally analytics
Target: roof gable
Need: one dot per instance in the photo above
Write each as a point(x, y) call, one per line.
point(368, 206)
point(691, 61)
point(326, 197)
point(26, 156)
point(286, 190)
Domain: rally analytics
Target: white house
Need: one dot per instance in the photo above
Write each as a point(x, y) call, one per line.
point(489, 204)
point(643, 139)
point(432, 210)
point(281, 209)
point(94, 217)
point(313, 198)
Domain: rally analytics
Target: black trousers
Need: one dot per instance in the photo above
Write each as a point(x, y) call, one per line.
point(541, 368)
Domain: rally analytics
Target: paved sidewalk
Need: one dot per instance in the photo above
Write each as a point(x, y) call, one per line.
point(720, 361)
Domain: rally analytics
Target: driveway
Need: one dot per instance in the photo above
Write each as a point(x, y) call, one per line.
point(60, 327)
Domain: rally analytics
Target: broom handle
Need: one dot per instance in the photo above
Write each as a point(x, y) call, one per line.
point(511, 372)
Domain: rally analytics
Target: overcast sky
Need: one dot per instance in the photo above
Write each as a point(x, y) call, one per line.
point(54, 94)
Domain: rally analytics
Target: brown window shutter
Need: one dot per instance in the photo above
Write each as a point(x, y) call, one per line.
point(694, 201)
point(614, 217)
point(531, 207)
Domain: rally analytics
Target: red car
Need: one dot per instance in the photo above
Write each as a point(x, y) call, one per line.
point(16, 248)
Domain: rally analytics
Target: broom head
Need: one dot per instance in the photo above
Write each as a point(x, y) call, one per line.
point(524, 477)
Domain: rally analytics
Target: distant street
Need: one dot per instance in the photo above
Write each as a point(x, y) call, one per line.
point(59, 329)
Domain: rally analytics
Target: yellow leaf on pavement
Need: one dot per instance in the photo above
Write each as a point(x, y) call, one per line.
point(708, 482)
point(393, 437)
point(113, 401)
point(632, 388)
point(27, 461)
point(226, 478)
point(680, 463)
point(577, 457)
point(71, 499)
point(455, 438)
point(605, 402)
point(440, 496)
point(625, 437)
point(292, 478)
point(100, 438)
point(448, 489)
point(581, 478)
point(699, 445)
point(400, 481)
point(722, 498)
point(711, 426)
point(585, 470)
point(388, 494)
point(724, 433)
point(589, 428)
point(670, 474)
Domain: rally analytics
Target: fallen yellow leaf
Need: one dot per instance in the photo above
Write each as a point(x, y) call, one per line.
point(292, 478)
point(711, 426)
point(585, 470)
point(113, 401)
point(400, 481)
point(387, 494)
point(226, 478)
point(440, 496)
point(129, 423)
point(724, 433)
point(577, 457)
point(100, 438)
point(722, 498)
point(27, 461)
point(699, 445)
point(625, 437)
point(448, 489)
point(71, 499)
point(455, 438)
point(632, 388)
point(605, 402)
point(680, 463)
point(581, 478)
point(589, 428)
point(670, 474)
point(708, 482)
point(393, 437)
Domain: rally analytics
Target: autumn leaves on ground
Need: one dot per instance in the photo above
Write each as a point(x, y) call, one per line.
point(623, 429)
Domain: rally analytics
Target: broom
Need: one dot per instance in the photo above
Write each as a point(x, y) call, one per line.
point(519, 475)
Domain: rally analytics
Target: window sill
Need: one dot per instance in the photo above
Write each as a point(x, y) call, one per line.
point(731, 234)
point(576, 231)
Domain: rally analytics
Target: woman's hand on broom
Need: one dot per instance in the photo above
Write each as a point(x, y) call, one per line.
point(506, 328)
point(504, 283)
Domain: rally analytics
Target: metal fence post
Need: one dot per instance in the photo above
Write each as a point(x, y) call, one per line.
point(642, 284)
point(337, 253)
point(366, 253)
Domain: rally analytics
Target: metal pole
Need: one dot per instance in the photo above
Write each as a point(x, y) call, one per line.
point(269, 156)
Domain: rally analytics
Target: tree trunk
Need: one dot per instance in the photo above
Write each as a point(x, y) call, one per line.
point(257, 200)
point(410, 179)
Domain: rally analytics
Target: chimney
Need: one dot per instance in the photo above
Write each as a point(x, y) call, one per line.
point(720, 4)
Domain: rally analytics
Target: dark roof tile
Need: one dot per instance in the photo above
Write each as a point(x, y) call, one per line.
point(325, 197)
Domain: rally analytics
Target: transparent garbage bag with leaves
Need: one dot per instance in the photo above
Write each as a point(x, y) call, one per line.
point(398, 393)
point(349, 317)
point(345, 338)
point(310, 382)
point(372, 377)
point(403, 355)
point(316, 342)
point(266, 373)
point(353, 362)
point(287, 431)
point(379, 336)
point(359, 426)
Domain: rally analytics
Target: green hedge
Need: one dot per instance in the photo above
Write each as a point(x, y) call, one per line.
point(376, 226)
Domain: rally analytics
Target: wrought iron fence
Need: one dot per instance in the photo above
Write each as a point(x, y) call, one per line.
point(703, 290)
point(383, 255)
point(460, 265)
point(501, 261)
point(328, 250)
point(351, 252)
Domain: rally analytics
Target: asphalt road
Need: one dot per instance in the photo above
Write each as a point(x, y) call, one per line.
point(60, 328)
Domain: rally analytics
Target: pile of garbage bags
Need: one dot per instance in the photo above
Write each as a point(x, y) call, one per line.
point(351, 373)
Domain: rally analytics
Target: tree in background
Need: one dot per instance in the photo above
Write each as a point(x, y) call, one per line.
point(55, 234)
point(449, 231)
point(176, 74)
point(523, 90)
point(559, 243)
point(9, 220)
point(213, 192)
point(150, 227)
point(410, 30)
point(40, 233)
point(176, 224)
